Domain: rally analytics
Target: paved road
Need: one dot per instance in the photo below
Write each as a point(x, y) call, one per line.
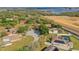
point(66, 24)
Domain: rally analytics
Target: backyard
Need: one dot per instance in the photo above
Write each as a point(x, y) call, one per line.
point(18, 44)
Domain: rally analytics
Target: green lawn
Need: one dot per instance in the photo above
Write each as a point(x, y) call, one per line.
point(75, 42)
point(19, 44)
point(42, 40)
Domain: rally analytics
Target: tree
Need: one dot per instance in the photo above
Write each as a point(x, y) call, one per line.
point(22, 29)
point(43, 29)
point(30, 21)
point(56, 25)
point(2, 34)
point(8, 23)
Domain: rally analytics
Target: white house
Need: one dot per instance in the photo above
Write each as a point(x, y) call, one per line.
point(6, 41)
point(55, 30)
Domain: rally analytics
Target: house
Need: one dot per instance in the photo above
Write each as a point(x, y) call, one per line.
point(63, 42)
point(14, 37)
point(7, 40)
point(9, 18)
point(48, 25)
point(23, 21)
point(50, 32)
point(13, 30)
point(15, 17)
point(62, 45)
point(51, 48)
point(55, 30)
point(10, 31)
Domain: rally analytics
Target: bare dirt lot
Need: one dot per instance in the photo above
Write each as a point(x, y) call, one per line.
point(71, 23)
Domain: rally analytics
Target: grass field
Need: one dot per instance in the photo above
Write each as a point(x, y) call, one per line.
point(19, 44)
point(42, 41)
point(75, 42)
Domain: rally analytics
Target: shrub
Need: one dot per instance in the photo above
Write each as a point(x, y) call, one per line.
point(43, 29)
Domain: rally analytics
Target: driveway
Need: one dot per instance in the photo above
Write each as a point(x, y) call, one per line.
point(33, 33)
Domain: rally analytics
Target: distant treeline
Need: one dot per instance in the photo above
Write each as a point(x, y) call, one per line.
point(76, 14)
point(11, 13)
